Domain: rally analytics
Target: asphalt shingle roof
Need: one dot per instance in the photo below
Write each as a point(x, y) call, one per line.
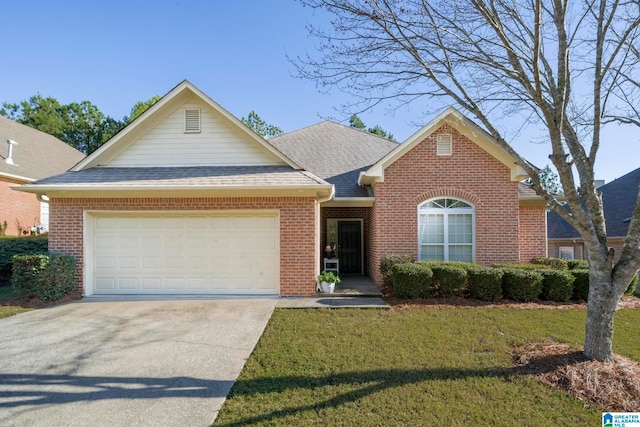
point(231, 176)
point(619, 201)
point(37, 154)
point(335, 153)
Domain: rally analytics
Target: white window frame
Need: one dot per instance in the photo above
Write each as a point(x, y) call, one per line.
point(444, 144)
point(446, 212)
point(568, 250)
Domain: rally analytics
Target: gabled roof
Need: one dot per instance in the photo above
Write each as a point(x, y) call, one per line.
point(463, 125)
point(155, 155)
point(618, 200)
point(159, 111)
point(37, 154)
point(335, 152)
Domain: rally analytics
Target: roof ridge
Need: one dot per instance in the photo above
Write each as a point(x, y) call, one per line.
point(364, 131)
point(625, 176)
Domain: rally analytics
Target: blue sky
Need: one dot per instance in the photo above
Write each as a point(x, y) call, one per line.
point(115, 53)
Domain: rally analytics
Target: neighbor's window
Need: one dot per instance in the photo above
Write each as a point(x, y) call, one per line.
point(446, 230)
point(565, 252)
point(444, 145)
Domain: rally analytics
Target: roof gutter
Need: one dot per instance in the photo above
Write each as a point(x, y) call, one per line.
point(16, 177)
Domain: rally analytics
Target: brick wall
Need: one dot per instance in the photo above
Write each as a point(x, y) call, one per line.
point(471, 174)
point(298, 229)
point(347, 213)
point(17, 208)
point(533, 232)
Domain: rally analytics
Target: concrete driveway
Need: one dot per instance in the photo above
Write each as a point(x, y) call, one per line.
point(126, 363)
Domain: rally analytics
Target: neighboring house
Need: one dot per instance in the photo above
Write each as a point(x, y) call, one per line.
point(188, 200)
point(618, 200)
point(26, 155)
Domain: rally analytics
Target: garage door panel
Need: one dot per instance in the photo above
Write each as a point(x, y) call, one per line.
point(176, 263)
point(106, 262)
point(155, 283)
point(152, 262)
point(128, 262)
point(172, 284)
point(129, 241)
point(180, 254)
point(105, 283)
point(127, 283)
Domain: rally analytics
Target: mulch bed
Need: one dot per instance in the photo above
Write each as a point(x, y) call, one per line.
point(608, 386)
point(33, 302)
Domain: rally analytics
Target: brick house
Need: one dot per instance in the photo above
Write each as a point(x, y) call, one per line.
point(618, 201)
point(188, 200)
point(28, 155)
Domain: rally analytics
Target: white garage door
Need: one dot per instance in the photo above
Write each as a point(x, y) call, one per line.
point(178, 253)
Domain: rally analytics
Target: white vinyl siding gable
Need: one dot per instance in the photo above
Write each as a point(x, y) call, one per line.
point(219, 143)
point(444, 143)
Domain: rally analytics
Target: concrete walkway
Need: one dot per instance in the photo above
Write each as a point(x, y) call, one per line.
point(352, 291)
point(135, 363)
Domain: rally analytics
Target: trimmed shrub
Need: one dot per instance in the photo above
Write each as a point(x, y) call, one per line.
point(555, 263)
point(449, 280)
point(521, 285)
point(49, 277)
point(632, 286)
point(459, 264)
point(581, 284)
point(388, 261)
point(557, 285)
point(485, 283)
point(412, 280)
point(578, 264)
point(10, 246)
point(521, 266)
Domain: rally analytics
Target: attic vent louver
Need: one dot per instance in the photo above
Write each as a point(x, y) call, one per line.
point(444, 145)
point(191, 121)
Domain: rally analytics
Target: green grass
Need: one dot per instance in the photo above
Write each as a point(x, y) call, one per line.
point(367, 367)
point(6, 292)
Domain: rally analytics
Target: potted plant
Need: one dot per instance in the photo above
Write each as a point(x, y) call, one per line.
point(327, 281)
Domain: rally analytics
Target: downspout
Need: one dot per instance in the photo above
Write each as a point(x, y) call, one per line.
point(319, 228)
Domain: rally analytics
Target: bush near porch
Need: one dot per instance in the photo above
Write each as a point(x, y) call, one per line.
point(549, 279)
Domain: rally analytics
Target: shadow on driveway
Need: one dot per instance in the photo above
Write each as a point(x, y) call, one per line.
point(18, 390)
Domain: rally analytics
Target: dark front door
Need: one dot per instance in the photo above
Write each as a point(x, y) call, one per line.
point(350, 247)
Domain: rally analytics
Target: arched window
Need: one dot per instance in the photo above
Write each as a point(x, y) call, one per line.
point(446, 230)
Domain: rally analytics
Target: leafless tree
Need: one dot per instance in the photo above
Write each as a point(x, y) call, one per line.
point(571, 65)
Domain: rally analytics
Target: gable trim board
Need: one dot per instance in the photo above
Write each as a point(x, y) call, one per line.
point(463, 125)
point(184, 95)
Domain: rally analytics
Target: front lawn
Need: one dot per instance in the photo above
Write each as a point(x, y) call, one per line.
point(8, 309)
point(452, 366)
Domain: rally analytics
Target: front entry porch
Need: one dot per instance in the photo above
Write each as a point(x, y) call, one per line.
point(351, 286)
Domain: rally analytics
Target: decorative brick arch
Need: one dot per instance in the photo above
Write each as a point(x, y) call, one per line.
point(447, 192)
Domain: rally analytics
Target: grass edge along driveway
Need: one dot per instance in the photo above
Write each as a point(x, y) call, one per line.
point(361, 367)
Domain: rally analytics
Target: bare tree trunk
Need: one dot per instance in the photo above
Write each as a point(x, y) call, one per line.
point(601, 308)
point(605, 291)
